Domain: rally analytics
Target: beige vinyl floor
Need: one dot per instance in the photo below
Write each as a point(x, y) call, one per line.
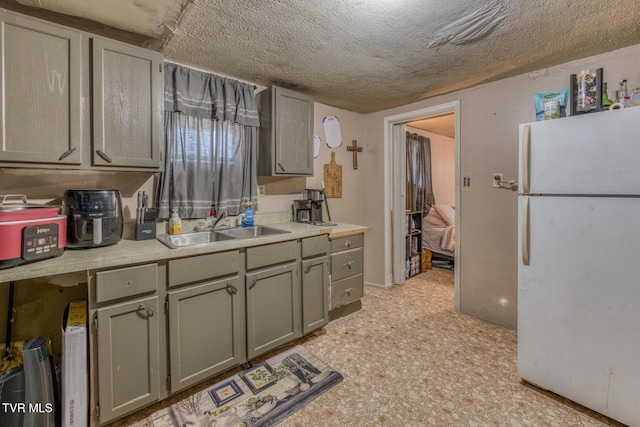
point(408, 359)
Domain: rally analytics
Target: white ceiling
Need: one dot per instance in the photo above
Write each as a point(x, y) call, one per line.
point(364, 55)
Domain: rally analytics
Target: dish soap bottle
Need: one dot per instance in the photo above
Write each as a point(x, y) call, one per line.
point(175, 223)
point(247, 217)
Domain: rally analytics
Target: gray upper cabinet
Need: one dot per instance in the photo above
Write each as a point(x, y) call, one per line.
point(40, 92)
point(286, 133)
point(73, 100)
point(127, 105)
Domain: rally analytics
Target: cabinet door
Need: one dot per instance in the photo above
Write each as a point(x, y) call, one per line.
point(127, 105)
point(127, 357)
point(293, 123)
point(315, 293)
point(206, 331)
point(273, 308)
point(40, 68)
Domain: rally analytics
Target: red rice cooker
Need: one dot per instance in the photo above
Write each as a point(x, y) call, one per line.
point(29, 232)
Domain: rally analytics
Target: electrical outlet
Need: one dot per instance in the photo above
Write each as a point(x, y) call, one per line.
point(497, 179)
point(261, 190)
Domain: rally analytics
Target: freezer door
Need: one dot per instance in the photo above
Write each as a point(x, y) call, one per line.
point(597, 153)
point(578, 301)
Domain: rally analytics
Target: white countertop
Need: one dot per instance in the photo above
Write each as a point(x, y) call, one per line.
point(133, 252)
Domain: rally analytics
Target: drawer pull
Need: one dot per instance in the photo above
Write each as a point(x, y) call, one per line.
point(347, 291)
point(67, 153)
point(308, 269)
point(348, 264)
point(253, 283)
point(347, 243)
point(231, 289)
point(150, 311)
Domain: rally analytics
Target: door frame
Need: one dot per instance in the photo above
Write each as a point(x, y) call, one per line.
point(394, 189)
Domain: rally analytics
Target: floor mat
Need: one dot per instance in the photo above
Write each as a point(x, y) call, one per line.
point(262, 395)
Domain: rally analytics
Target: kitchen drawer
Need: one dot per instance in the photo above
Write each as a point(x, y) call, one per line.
point(315, 246)
point(126, 282)
point(345, 243)
point(346, 290)
point(203, 267)
point(276, 253)
point(346, 263)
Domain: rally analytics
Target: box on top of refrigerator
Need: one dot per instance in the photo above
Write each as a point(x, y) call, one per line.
point(75, 405)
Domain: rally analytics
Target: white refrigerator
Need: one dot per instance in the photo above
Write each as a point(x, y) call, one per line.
point(579, 260)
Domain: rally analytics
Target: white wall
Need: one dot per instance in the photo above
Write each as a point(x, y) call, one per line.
point(487, 232)
point(443, 166)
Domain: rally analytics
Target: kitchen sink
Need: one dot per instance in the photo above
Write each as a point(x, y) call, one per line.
point(249, 232)
point(195, 238)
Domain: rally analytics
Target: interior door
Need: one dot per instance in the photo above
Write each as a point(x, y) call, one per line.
point(578, 296)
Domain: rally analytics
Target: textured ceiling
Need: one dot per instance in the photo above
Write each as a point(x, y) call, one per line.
point(367, 55)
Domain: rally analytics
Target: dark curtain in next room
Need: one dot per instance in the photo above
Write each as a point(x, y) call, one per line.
point(419, 188)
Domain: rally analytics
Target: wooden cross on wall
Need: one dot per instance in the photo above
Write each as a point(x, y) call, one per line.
point(354, 147)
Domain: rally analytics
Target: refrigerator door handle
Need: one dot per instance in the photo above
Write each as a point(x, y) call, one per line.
point(524, 230)
point(526, 151)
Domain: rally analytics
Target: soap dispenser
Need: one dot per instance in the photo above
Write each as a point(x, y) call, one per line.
point(247, 215)
point(175, 223)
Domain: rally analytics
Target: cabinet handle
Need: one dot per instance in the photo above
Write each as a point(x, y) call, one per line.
point(150, 311)
point(281, 167)
point(348, 264)
point(231, 289)
point(308, 269)
point(347, 291)
point(253, 283)
point(67, 153)
point(347, 243)
point(104, 156)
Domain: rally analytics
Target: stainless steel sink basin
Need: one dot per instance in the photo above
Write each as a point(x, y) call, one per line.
point(183, 240)
point(249, 232)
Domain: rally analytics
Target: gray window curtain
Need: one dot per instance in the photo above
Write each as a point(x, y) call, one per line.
point(211, 144)
point(419, 188)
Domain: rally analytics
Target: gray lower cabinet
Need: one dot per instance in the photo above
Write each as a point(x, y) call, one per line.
point(347, 280)
point(206, 331)
point(125, 340)
point(127, 357)
point(315, 283)
point(206, 317)
point(273, 308)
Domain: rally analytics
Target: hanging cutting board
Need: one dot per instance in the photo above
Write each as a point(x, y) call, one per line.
point(333, 178)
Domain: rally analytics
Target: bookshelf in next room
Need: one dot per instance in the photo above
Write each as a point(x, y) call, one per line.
point(413, 244)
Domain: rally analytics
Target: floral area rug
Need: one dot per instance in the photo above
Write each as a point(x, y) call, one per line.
point(262, 395)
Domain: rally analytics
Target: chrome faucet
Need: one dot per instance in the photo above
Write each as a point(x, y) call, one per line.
point(222, 215)
point(213, 226)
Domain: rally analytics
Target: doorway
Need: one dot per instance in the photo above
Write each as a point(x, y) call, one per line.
point(395, 152)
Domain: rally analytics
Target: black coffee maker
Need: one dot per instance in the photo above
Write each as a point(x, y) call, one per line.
point(309, 210)
point(302, 211)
